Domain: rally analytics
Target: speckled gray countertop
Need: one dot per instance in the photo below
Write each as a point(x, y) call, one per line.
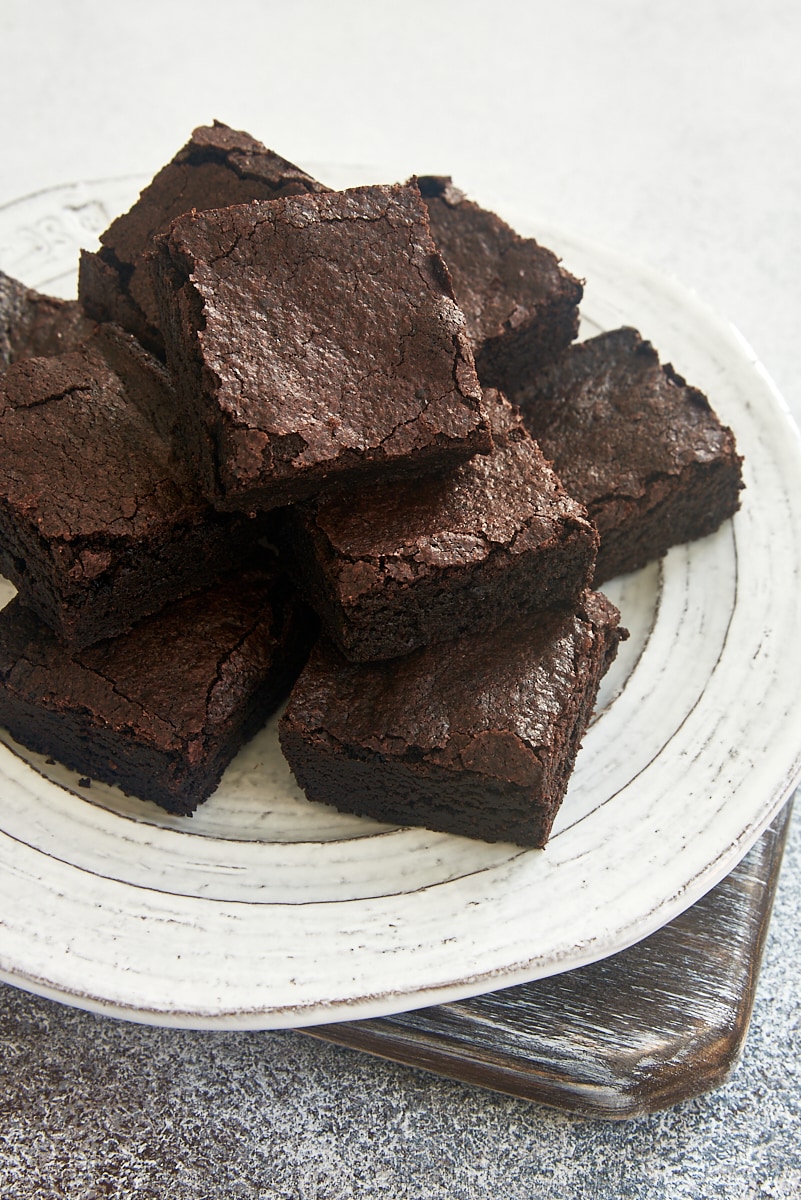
point(668, 132)
point(93, 1107)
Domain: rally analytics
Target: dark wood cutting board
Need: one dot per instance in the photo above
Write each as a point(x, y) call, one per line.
point(651, 1026)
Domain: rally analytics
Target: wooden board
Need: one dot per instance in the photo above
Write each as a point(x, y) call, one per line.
point(656, 1024)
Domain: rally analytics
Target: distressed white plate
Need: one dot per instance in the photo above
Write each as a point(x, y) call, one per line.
point(265, 911)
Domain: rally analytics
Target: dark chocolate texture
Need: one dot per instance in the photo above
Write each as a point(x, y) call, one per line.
point(391, 567)
point(521, 306)
point(218, 166)
point(100, 523)
point(315, 341)
point(475, 737)
point(32, 324)
point(163, 709)
point(637, 445)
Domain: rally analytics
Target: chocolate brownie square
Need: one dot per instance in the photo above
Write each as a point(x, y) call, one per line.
point(100, 523)
point(521, 306)
point(33, 324)
point(476, 737)
point(218, 166)
point(637, 445)
point(160, 710)
point(395, 566)
point(315, 341)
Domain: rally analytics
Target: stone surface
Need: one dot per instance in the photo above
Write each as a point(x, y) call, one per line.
point(705, 187)
point(92, 1107)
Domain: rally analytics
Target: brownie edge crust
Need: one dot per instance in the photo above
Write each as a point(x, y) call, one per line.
point(520, 304)
point(100, 521)
point(476, 738)
point(635, 443)
point(33, 324)
point(218, 166)
point(161, 710)
point(390, 568)
point(315, 341)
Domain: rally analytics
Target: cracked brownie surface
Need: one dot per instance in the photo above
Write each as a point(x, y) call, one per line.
point(393, 567)
point(476, 736)
point(521, 306)
point(33, 324)
point(315, 340)
point(631, 440)
point(162, 709)
point(218, 166)
point(100, 523)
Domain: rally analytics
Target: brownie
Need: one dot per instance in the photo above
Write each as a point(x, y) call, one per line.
point(100, 523)
point(395, 566)
point(521, 306)
point(218, 166)
point(477, 736)
point(637, 445)
point(315, 341)
point(34, 324)
point(160, 710)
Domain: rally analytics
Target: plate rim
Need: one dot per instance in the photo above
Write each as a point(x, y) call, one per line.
point(377, 1005)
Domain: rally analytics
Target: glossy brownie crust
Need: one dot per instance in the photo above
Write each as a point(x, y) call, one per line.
point(100, 524)
point(637, 445)
point(161, 710)
point(218, 166)
point(32, 324)
point(315, 341)
point(521, 305)
point(475, 737)
point(393, 567)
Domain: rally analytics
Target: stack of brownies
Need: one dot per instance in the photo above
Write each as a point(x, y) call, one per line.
point(278, 407)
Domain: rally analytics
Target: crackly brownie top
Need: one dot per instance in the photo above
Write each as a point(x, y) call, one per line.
point(489, 704)
point(612, 418)
point(330, 327)
point(32, 324)
point(218, 166)
point(82, 455)
point(509, 498)
point(500, 279)
point(221, 642)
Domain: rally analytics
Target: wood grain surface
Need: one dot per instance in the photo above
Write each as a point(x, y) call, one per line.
point(653, 1025)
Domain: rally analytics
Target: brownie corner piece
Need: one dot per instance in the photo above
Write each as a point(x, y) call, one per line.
point(218, 166)
point(161, 710)
point(100, 522)
point(637, 444)
point(520, 303)
point(476, 737)
point(392, 567)
point(33, 324)
point(315, 341)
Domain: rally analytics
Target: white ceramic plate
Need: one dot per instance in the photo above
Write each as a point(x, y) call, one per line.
point(265, 911)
